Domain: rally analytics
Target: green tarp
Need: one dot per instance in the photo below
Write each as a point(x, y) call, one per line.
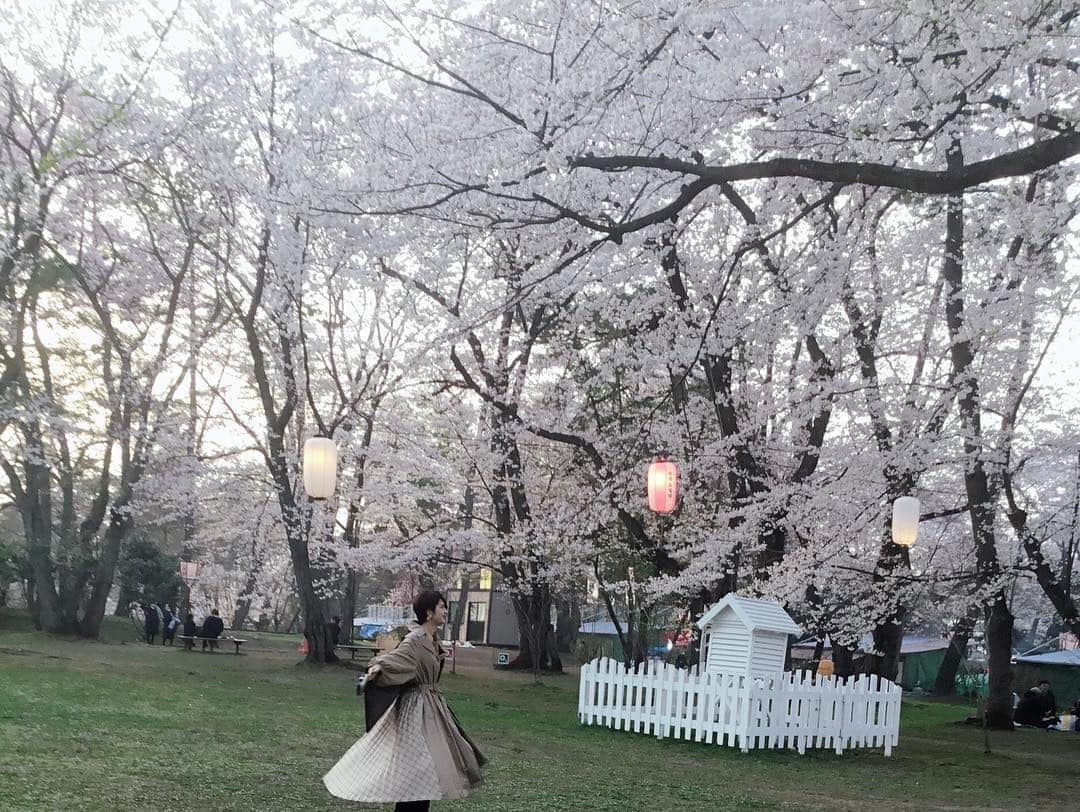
point(1064, 680)
point(921, 669)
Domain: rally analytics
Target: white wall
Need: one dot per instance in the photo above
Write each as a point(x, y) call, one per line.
point(729, 644)
point(767, 652)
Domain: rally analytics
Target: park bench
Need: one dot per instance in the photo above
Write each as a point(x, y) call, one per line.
point(189, 641)
point(354, 649)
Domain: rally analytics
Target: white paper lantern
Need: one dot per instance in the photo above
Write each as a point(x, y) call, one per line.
point(905, 520)
point(320, 467)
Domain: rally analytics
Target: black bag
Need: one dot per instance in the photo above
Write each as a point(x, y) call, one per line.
point(378, 700)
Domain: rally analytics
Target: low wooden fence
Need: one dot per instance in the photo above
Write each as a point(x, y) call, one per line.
point(792, 710)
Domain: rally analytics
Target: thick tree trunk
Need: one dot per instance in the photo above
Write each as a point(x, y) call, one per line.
point(119, 523)
point(352, 536)
point(568, 622)
point(537, 648)
point(36, 511)
point(460, 608)
point(317, 628)
point(348, 605)
point(843, 660)
point(945, 682)
point(999, 632)
point(888, 637)
point(316, 625)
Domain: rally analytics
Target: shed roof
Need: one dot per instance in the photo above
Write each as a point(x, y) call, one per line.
point(756, 614)
point(1053, 658)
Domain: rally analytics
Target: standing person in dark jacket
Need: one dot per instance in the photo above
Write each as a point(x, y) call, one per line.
point(168, 626)
point(150, 622)
point(212, 628)
point(190, 631)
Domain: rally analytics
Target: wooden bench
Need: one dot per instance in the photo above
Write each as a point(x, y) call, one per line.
point(353, 649)
point(189, 641)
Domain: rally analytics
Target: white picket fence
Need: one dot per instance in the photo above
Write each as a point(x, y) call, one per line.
point(793, 709)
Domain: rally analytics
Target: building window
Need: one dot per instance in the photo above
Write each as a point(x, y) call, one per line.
point(476, 625)
point(485, 579)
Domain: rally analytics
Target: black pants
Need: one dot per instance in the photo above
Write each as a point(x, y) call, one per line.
point(412, 806)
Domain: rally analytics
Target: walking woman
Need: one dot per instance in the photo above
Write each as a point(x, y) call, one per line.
point(417, 752)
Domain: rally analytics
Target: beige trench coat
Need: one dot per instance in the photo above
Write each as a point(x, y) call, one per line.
point(417, 751)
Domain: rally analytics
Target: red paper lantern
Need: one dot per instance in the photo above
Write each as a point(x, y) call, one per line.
point(189, 571)
point(663, 487)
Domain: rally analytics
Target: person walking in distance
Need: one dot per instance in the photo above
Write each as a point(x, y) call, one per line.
point(417, 752)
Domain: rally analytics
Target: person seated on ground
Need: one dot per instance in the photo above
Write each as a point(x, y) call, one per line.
point(150, 622)
point(212, 628)
point(1049, 701)
point(1037, 707)
point(190, 631)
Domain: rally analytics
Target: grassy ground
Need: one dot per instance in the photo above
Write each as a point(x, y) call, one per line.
point(121, 725)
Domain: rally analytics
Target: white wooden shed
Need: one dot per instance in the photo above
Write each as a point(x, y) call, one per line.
point(745, 636)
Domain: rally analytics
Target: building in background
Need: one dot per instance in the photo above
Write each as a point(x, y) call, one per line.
point(479, 609)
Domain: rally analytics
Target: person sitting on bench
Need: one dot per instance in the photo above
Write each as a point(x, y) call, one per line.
point(212, 628)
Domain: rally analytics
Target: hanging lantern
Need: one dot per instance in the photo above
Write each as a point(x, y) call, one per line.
point(905, 521)
point(189, 571)
point(320, 467)
point(663, 486)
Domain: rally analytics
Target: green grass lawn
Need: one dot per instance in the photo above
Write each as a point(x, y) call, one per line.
point(121, 725)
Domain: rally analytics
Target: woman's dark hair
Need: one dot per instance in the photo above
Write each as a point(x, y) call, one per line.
point(426, 602)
